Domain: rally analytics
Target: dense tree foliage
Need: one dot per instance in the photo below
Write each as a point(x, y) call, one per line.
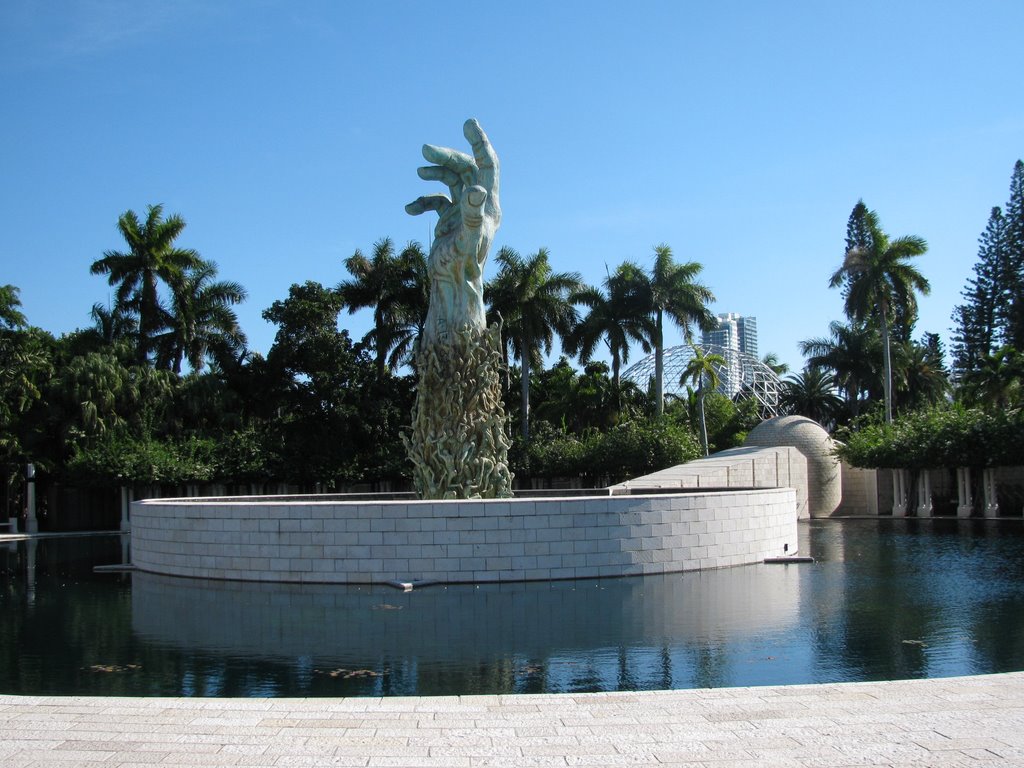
point(992, 315)
point(159, 388)
point(939, 437)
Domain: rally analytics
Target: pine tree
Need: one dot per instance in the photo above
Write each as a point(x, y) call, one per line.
point(858, 228)
point(979, 327)
point(858, 235)
point(1013, 262)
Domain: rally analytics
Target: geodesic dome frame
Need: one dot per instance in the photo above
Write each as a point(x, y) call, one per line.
point(742, 375)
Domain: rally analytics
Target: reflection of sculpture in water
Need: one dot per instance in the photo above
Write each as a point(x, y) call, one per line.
point(458, 445)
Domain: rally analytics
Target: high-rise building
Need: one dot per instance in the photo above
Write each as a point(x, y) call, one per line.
point(748, 335)
point(737, 334)
point(734, 332)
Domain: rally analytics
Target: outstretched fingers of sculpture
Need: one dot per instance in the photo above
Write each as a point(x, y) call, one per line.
point(436, 202)
point(458, 163)
point(483, 154)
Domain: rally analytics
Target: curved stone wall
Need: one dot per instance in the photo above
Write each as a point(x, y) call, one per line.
point(358, 542)
point(824, 475)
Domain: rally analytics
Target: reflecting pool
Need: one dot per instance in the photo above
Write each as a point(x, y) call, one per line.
point(885, 599)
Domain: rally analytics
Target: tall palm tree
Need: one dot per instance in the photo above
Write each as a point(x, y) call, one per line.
point(880, 280)
point(151, 258)
point(617, 316)
point(848, 353)
point(811, 393)
point(397, 287)
point(535, 306)
point(202, 319)
point(703, 368)
point(671, 290)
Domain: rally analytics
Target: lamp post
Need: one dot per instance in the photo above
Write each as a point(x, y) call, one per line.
point(31, 524)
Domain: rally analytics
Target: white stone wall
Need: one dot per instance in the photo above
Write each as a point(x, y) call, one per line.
point(860, 492)
point(744, 467)
point(459, 541)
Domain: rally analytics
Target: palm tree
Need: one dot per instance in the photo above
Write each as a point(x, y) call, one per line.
point(848, 353)
point(151, 257)
point(397, 287)
point(703, 367)
point(772, 361)
point(996, 382)
point(923, 379)
point(202, 319)
point(534, 304)
point(671, 291)
point(811, 393)
point(616, 315)
point(880, 280)
point(112, 324)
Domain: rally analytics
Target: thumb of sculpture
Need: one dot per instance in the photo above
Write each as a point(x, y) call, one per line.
point(472, 206)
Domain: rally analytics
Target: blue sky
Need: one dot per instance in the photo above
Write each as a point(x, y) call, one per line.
point(287, 134)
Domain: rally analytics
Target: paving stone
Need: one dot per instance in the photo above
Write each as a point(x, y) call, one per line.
point(948, 723)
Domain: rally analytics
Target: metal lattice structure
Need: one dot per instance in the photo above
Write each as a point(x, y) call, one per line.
point(741, 376)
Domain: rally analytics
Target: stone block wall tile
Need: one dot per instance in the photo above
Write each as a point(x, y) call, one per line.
point(473, 537)
point(511, 549)
point(523, 535)
point(493, 509)
point(395, 511)
point(445, 537)
point(497, 537)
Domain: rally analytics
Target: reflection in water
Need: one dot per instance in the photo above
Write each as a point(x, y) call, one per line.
point(916, 598)
point(886, 599)
point(580, 635)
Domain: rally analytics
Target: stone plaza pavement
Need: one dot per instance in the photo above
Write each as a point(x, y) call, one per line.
point(967, 721)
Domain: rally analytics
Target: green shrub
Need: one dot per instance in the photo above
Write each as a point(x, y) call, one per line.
point(949, 436)
point(624, 451)
point(118, 459)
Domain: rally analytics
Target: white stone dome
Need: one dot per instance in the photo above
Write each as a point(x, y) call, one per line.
point(824, 473)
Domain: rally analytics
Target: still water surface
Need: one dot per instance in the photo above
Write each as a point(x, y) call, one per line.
point(886, 599)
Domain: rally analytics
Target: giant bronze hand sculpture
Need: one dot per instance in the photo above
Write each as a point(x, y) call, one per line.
point(458, 445)
point(469, 217)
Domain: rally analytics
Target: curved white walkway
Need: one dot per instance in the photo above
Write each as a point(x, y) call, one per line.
point(968, 721)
